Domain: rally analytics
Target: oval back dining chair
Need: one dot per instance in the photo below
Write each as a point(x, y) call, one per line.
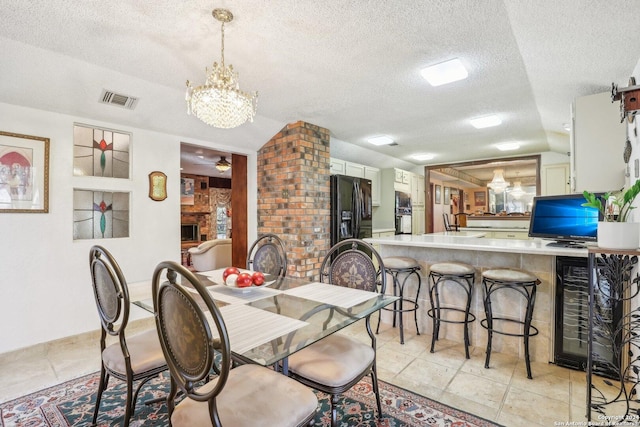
point(132, 358)
point(337, 362)
point(268, 255)
point(248, 395)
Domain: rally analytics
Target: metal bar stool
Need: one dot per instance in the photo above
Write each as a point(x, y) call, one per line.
point(450, 272)
point(396, 266)
point(524, 283)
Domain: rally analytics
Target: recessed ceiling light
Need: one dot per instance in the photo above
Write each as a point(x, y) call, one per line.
point(445, 72)
point(508, 146)
point(486, 121)
point(380, 140)
point(422, 157)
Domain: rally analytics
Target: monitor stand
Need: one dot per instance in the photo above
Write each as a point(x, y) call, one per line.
point(567, 244)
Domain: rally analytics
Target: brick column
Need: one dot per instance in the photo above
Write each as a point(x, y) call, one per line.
point(293, 195)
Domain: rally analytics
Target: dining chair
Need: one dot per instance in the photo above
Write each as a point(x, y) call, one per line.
point(447, 224)
point(268, 255)
point(248, 395)
point(337, 362)
point(132, 358)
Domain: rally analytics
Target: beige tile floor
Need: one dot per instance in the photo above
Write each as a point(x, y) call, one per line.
point(501, 393)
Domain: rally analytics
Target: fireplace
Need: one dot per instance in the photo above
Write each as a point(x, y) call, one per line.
point(190, 232)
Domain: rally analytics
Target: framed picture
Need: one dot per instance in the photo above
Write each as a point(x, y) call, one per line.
point(437, 194)
point(186, 191)
point(24, 173)
point(447, 195)
point(479, 198)
point(157, 186)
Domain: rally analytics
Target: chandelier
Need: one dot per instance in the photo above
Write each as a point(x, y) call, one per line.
point(220, 102)
point(498, 184)
point(223, 165)
point(517, 190)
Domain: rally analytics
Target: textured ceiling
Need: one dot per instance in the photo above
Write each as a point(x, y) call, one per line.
point(352, 67)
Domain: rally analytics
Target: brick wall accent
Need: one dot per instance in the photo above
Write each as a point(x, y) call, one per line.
point(293, 195)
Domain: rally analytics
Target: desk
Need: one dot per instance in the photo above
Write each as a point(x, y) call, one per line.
point(267, 324)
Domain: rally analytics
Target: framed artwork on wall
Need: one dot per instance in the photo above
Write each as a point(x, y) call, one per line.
point(437, 194)
point(447, 195)
point(187, 191)
point(479, 198)
point(24, 173)
point(157, 186)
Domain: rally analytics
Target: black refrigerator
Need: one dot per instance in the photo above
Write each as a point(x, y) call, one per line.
point(351, 208)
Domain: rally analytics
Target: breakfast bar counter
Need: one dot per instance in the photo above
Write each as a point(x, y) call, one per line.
point(471, 247)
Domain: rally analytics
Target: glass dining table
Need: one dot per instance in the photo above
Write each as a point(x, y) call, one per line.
point(268, 323)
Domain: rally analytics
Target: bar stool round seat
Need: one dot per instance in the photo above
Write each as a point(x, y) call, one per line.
point(454, 273)
point(402, 267)
point(502, 280)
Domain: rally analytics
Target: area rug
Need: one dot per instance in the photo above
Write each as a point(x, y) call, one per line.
point(71, 404)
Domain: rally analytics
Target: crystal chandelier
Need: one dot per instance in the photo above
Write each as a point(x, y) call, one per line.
point(220, 102)
point(517, 191)
point(498, 184)
point(223, 165)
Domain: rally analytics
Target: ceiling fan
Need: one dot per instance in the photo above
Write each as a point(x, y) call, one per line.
point(223, 165)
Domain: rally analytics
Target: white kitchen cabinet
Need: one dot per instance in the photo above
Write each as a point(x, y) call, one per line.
point(373, 174)
point(337, 167)
point(354, 169)
point(417, 190)
point(597, 142)
point(402, 177)
point(555, 180)
point(417, 219)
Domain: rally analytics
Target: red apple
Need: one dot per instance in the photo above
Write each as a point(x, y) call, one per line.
point(244, 280)
point(227, 271)
point(257, 278)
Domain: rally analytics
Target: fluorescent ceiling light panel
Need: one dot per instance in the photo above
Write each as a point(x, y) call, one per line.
point(486, 121)
point(422, 157)
point(380, 140)
point(445, 72)
point(508, 146)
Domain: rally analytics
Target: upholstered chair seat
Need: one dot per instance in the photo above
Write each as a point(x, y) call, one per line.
point(144, 350)
point(253, 396)
point(335, 360)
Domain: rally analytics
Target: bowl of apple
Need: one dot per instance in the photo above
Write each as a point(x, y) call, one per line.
point(245, 280)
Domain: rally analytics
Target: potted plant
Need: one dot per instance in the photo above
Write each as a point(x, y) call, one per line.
point(614, 231)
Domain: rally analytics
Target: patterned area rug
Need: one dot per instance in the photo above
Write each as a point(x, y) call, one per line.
point(71, 404)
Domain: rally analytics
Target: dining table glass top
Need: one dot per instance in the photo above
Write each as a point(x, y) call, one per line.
point(268, 323)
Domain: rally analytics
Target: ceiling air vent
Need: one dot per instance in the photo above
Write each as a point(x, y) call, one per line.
point(109, 97)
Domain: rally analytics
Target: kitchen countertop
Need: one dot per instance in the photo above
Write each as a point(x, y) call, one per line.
point(475, 241)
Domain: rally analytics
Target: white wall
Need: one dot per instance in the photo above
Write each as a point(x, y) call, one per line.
point(45, 289)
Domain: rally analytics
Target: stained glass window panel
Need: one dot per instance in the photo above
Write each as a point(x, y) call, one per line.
point(101, 152)
point(100, 214)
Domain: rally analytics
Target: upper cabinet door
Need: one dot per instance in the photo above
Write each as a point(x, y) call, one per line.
point(354, 169)
point(596, 166)
point(337, 167)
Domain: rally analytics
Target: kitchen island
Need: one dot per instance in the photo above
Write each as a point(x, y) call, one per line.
point(483, 253)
